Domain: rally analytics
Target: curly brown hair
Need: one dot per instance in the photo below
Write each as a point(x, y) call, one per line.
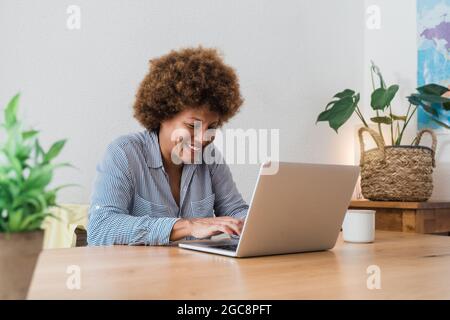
point(190, 77)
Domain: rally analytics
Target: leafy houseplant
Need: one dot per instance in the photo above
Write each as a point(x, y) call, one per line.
point(345, 104)
point(396, 172)
point(26, 170)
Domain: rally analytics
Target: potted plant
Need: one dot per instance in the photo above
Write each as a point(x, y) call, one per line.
point(395, 172)
point(26, 171)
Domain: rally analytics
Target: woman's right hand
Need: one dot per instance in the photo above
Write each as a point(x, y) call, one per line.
point(201, 228)
point(206, 227)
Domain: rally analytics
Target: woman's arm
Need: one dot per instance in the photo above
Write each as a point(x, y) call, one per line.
point(109, 220)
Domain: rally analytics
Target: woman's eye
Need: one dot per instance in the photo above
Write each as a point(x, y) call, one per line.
point(190, 125)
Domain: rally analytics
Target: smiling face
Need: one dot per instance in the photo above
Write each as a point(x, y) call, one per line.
point(183, 136)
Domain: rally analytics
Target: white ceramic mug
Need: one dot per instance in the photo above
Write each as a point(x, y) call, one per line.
point(359, 226)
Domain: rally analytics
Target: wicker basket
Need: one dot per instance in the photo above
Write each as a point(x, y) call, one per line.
point(400, 173)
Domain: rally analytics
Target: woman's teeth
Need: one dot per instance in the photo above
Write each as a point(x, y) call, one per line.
point(193, 148)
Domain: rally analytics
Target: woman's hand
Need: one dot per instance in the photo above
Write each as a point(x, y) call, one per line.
point(206, 227)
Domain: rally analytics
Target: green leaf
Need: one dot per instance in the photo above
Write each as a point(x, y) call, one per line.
point(38, 151)
point(10, 189)
point(398, 118)
point(382, 97)
point(378, 99)
point(430, 110)
point(345, 93)
point(50, 197)
point(62, 164)
point(39, 177)
point(330, 103)
point(414, 100)
point(15, 164)
point(357, 97)
point(11, 111)
point(383, 120)
point(38, 199)
point(391, 92)
point(433, 89)
point(429, 98)
point(338, 114)
point(23, 153)
point(446, 106)
point(29, 134)
point(54, 150)
point(324, 115)
point(14, 220)
point(341, 112)
point(3, 226)
point(34, 221)
point(67, 186)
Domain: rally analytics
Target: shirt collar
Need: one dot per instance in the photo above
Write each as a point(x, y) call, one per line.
point(152, 150)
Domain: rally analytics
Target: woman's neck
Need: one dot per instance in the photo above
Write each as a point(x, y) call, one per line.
point(166, 156)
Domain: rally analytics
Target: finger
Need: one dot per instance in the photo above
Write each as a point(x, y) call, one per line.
point(235, 228)
point(215, 233)
point(233, 223)
point(225, 229)
point(230, 219)
point(237, 224)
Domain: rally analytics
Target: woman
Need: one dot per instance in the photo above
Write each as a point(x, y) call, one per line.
point(148, 189)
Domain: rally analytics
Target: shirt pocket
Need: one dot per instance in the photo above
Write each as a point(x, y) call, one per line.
point(203, 208)
point(142, 207)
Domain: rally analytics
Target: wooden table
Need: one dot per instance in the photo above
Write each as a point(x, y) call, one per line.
point(412, 266)
point(420, 217)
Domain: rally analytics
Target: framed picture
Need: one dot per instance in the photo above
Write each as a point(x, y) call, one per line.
point(433, 63)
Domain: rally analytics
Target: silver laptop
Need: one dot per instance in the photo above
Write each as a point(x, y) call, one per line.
point(299, 209)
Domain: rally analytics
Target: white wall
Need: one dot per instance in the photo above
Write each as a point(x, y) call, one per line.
point(291, 56)
point(394, 49)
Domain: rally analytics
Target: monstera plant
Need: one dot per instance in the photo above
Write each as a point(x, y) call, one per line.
point(26, 170)
point(346, 103)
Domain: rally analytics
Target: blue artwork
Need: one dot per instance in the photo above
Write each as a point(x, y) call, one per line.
point(433, 65)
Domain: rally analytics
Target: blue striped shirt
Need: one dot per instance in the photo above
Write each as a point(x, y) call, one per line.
point(132, 202)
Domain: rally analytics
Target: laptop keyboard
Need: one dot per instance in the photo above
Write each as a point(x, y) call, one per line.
point(229, 247)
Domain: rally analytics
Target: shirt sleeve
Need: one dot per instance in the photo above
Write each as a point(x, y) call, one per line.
point(109, 220)
point(228, 200)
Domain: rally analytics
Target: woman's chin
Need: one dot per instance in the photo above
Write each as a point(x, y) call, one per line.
point(189, 156)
